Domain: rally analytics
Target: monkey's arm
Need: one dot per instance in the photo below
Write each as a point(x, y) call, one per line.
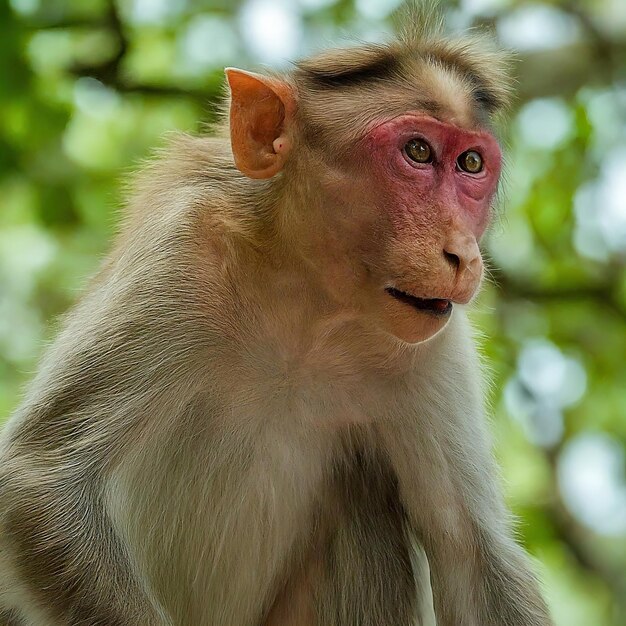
point(448, 484)
point(120, 365)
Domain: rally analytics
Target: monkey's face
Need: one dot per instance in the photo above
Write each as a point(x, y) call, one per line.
point(430, 185)
point(397, 209)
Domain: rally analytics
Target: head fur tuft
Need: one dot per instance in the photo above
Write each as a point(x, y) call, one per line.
point(473, 59)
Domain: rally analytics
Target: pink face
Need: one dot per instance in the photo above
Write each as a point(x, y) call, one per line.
point(431, 184)
point(440, 183)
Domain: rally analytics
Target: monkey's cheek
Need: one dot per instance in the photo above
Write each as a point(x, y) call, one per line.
point(413, 326)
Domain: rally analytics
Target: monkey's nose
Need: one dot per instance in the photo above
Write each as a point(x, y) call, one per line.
point(462, 254)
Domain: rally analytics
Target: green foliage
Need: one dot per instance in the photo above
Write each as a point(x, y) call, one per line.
point(88, 89)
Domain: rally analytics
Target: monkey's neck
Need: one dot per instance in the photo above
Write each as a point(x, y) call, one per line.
point(298, 306)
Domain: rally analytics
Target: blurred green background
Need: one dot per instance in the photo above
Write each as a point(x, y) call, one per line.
point(87, 89)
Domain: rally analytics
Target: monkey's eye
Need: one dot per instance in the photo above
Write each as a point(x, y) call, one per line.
point(419, 151)
point(470, 162)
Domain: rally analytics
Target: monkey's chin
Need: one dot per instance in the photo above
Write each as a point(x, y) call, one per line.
point(420, 328)
point(414, 326)
point(414, 320)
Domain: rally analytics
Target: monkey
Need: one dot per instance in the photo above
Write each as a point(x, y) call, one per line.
point(267, 408)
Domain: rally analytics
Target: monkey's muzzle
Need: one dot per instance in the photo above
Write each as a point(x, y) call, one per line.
point(434, 306)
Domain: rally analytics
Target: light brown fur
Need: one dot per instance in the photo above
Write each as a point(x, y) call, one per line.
point(221, 436)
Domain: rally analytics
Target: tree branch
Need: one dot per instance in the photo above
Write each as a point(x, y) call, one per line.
point(604, 295)
point(111, 71)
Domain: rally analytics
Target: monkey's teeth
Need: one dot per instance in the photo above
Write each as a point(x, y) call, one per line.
point(434, 306)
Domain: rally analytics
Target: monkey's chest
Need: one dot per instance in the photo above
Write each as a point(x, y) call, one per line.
point(322, 394)
point(356, 562)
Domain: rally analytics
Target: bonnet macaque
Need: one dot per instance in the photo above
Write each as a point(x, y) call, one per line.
point(267, 407)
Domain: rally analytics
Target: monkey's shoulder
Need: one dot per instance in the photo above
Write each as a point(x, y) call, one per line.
point(187, 159)
point(188, 178)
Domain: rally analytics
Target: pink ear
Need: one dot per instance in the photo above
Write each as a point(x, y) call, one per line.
point(261, 110)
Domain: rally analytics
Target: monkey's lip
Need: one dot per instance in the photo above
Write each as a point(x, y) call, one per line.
point(434, 306)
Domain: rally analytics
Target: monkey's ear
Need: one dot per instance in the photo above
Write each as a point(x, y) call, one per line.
point(261, 110)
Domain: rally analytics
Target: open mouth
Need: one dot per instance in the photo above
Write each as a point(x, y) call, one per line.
point(434, 306)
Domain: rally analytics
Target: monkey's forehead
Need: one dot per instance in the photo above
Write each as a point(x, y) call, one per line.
point(439, 131)
point(340, 114)
point(463, 76)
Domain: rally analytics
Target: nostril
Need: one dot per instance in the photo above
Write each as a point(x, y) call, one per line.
point(452, 259)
